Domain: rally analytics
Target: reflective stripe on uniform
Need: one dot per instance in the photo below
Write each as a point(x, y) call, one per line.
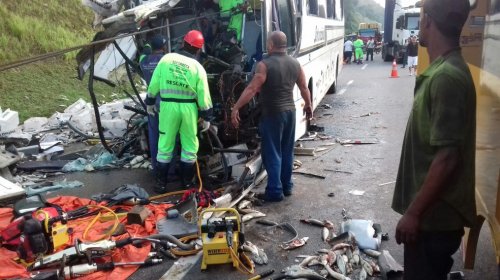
point(188, 157)
point(164, 157)
point(178, 92)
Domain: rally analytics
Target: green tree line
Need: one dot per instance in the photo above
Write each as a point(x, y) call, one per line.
point(357, 11)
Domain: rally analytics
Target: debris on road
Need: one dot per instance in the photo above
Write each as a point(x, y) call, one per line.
point(297, 164)
point(338, 171)
point(314, 222)
point(298, 151)
point(363, 230)
point(356, 142)
point(51, 186)
point(310, 174)
point(325, 106)
point(294, 244)
point(357, 192)
point(389, 267)
point(368, 114)
point(258, 254)
point(388, 183)
point(327, 144)
point(315, 128)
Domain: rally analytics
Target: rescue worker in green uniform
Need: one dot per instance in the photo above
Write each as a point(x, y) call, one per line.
point(233, 10)
point(358, 50)
point(182, 84)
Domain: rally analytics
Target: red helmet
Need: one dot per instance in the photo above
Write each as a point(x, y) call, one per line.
point(194, 38)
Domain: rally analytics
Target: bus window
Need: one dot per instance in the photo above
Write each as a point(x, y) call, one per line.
point(286, 21)
point(339, 13)
point(495, 5)
point(330, 8)
point(312, 7)
point(298, 4)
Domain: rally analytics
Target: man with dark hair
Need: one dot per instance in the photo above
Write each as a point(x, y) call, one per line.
point(412, 54)
point(182, 84)
point(275, 78)
point(348, 51)
point(370, 46)
point(434, 189)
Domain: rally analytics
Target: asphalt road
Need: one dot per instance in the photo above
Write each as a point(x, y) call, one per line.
point(368, 106)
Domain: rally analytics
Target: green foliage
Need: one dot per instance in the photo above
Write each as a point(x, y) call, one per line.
point(33, 27)
point(357, 11)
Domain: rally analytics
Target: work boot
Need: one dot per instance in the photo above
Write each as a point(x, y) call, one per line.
point(187, 174)
point(161, 177)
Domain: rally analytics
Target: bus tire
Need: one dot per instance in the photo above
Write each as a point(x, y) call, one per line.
point(333, 87)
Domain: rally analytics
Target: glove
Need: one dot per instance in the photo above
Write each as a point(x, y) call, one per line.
point(205, 126)
point(308, 112)
point(151, 109)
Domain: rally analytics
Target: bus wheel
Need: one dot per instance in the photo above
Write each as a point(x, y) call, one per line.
point(333, 87)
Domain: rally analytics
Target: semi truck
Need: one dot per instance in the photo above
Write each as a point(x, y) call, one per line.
point(399, 24)
point(367, 30)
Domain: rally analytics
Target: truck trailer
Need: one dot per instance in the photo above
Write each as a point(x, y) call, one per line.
point(399, 24)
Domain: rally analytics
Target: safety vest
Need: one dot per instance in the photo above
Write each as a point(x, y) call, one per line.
point(181, 79)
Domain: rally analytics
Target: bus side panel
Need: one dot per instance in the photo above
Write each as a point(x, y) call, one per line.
point(319, 55)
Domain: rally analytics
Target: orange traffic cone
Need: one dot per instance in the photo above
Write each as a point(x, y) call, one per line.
point(394, 72)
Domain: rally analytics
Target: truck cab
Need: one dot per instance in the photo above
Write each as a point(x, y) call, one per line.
point(400, 24)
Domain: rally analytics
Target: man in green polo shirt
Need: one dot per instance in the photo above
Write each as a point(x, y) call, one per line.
point(435, 190)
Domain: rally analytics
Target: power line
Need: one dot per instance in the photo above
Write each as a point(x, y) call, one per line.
point(41, 57)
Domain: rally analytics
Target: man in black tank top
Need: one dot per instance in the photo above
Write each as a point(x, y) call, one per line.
point(275, 78)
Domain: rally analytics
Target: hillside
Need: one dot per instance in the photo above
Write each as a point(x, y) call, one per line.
point(30, 28)
point(357, 11)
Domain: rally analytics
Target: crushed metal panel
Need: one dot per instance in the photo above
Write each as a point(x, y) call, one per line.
point(110, 58)
point(139, 13)
point(9, 191)
point(7, 158)
point(214, 163)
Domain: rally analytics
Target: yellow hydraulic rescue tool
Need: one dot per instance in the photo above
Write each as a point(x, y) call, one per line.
point(221, 238)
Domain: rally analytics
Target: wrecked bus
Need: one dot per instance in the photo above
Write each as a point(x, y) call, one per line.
point(314, 29)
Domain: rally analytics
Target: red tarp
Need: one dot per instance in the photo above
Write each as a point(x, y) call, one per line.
point(129, 253)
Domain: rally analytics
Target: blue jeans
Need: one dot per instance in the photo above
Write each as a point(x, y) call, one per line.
point(153, 134)
point(278, 132)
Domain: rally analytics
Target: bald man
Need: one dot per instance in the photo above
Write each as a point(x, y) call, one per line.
point(275, 78)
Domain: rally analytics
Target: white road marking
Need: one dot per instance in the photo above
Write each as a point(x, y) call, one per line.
point(342, 91)
point(364, 67)
point(181, 267)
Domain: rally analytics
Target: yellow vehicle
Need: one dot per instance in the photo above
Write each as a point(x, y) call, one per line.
point(480, 42)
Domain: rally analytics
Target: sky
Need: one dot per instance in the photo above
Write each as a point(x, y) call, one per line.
point(403, 2)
